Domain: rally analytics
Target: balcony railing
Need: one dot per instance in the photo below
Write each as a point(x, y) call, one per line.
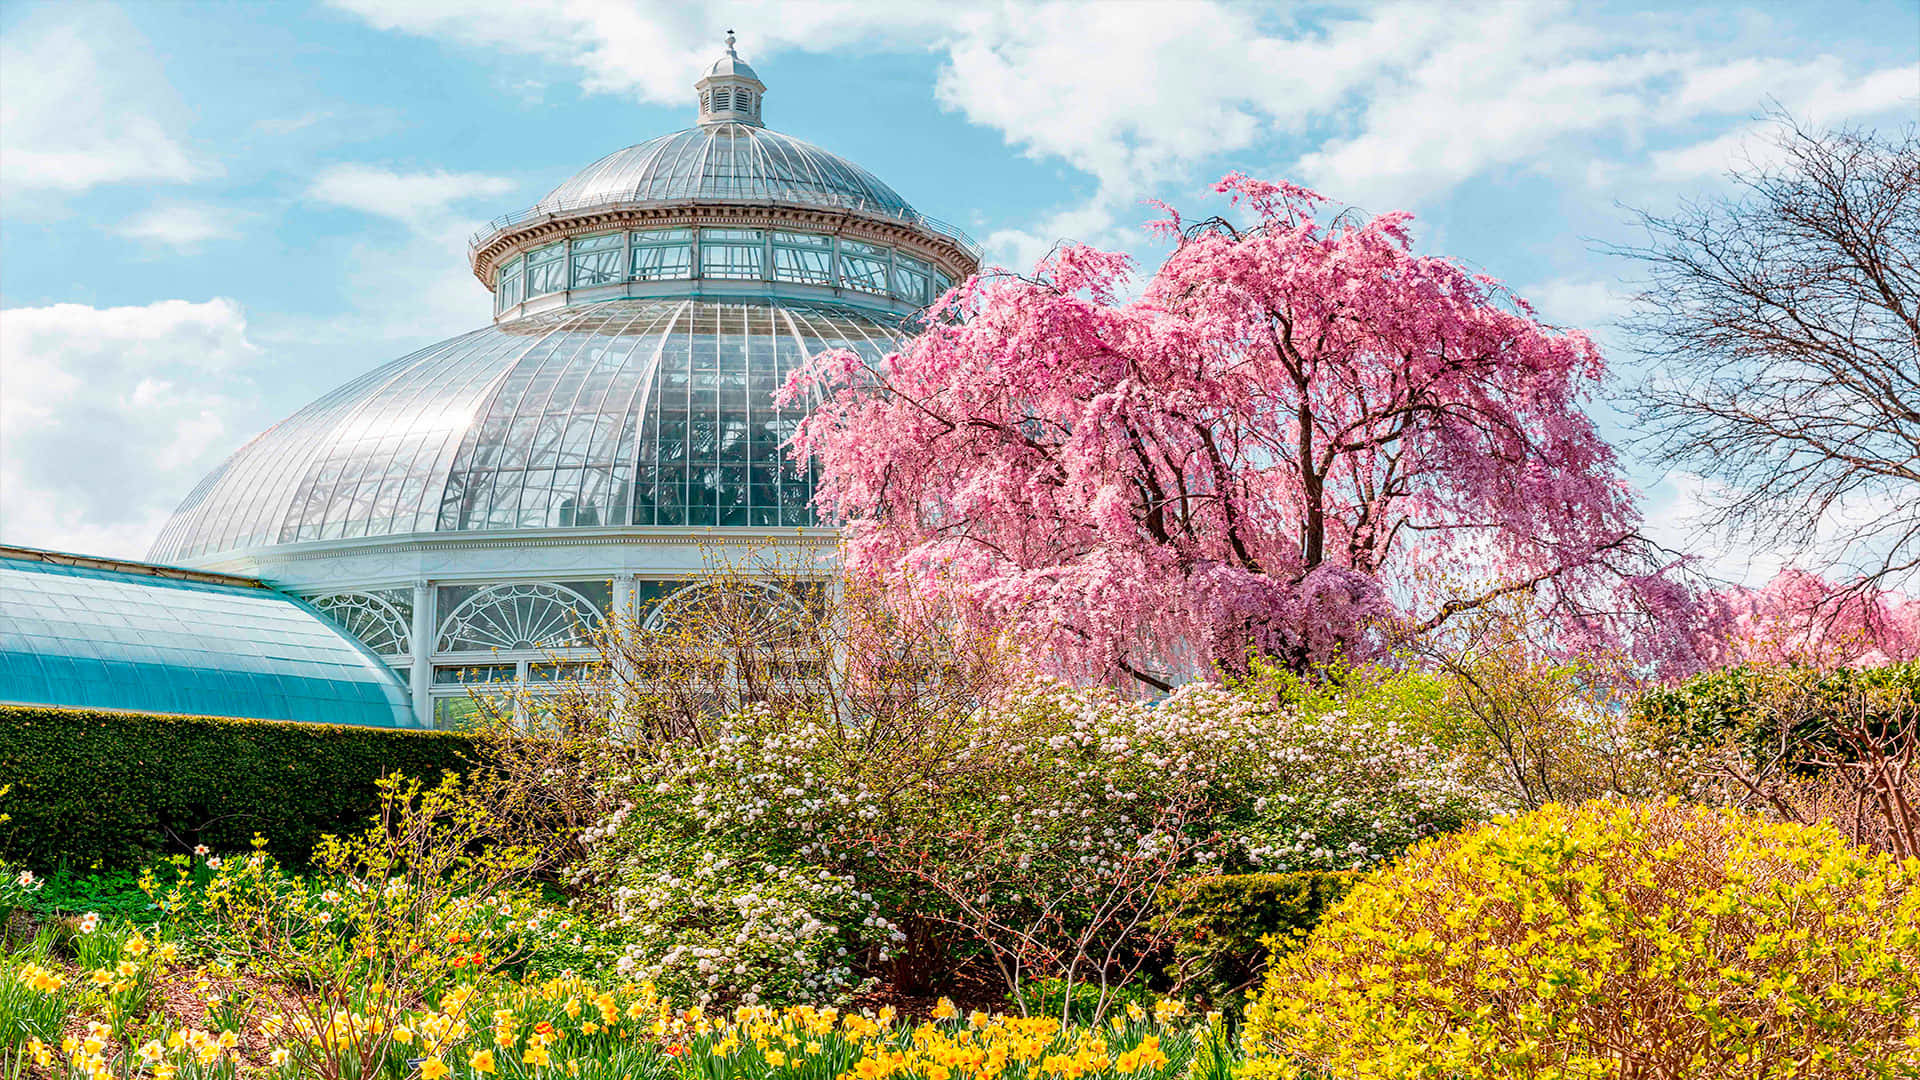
point(813, 201)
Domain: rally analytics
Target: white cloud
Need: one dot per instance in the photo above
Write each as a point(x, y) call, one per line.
point(418, 200)
point(81, 104)
point(1821, 87)
point(105, 413)
point(1576, 303)
point(184, 227)
point(1817, 92)
point(654, 49)
point(419, 285)
point(1680, 507)
point(1503, 86)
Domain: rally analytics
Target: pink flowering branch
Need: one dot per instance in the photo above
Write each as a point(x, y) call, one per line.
point(1300, 435)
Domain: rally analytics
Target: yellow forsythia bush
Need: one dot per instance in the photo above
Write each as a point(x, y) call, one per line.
point(1609, 940)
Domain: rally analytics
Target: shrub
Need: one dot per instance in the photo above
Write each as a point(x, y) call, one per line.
point(1528, 727)
point(97, 789)
point(1802, 744)
point(1224, 926)
point(1611, 940)
point(1743, 701)
point(1032, 835)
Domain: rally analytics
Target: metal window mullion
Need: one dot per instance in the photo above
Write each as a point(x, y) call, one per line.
point(482, 409)
point(558, 363)
point(586, 464)
point(641, 401)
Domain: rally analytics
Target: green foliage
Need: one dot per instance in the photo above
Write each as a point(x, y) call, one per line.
point(1225, 926)
point(1742, 702)
point(1610, 940)
point(27, 1008)
point(99, 790)
point(1082, 1002)
point(107, 892)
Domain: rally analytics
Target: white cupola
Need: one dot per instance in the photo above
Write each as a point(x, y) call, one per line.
point(730, 91)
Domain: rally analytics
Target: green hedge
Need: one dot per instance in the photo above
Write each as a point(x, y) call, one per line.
point(1220, 925)
point(1735, 701)
point(99, 789)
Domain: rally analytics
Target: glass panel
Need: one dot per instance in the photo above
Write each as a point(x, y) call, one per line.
point(475, 675)
point(599, 260)
point(588, 416)
point(510, 291)
point(910, 279)
point(519, 617)
point(546, 270)
point(373, 620)
point(568, 671)
point(455, 712)
point(807, 265)
point(658, 262)
point(94, 638)
point(863, 267)
point(732, 253)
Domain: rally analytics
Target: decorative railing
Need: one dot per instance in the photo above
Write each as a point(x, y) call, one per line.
point(813, 201)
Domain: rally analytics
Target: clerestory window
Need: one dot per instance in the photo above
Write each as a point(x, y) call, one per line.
point(662, 254)
point(547, 269)
point(599, 260)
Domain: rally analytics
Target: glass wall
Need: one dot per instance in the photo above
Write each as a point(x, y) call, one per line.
point(586, 262)
point(625, 412)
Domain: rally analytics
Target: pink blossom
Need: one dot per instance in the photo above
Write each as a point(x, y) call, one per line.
point(1299, 436)
point(1802, 618)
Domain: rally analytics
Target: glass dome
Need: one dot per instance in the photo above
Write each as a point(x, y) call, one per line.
point(727, 161)
point(627, 412)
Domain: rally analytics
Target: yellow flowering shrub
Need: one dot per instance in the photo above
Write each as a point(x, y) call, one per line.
point(1609, 940)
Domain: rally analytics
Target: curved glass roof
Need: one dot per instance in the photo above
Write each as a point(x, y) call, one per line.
point(719, 162)
point(627, 412)
point(96, 637)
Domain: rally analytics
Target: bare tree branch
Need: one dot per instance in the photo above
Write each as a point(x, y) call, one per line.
point(1781, 328)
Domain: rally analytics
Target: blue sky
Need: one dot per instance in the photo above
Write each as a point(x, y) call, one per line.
point(212, 213)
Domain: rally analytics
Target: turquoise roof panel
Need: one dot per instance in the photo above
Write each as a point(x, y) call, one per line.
point(88, 637)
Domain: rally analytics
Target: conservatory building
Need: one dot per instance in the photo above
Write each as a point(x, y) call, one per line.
point(473, 511)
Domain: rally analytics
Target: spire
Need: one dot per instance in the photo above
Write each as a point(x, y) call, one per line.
point(730, 91)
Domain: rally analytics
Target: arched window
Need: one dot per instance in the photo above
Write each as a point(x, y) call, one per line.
point(521, 617)
point(723, 100)
point(371, 620)
point(749, 635)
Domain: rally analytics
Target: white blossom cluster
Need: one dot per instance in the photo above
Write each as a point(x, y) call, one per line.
point(747, 865)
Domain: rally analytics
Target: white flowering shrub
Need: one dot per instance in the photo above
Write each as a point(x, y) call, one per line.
point(783, 854)
point(711, 902)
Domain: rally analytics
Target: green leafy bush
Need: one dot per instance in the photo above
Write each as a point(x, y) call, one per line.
point(1610, 940)
point(1224, 926)
point(1743, 701)
point(1028, 839)
point(105, 790)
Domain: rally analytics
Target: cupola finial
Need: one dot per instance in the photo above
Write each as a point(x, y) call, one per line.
point(730, 91)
